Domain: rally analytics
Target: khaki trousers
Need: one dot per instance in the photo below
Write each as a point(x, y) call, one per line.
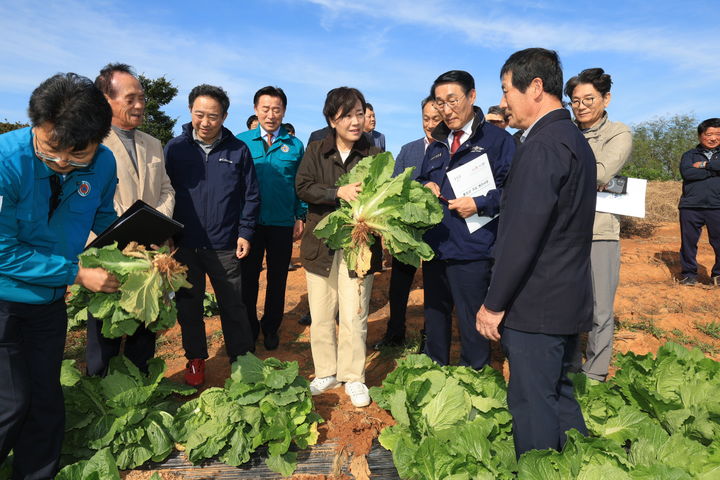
point(339, 351)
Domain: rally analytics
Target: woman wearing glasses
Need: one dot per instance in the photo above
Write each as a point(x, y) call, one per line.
point(338, 357)
point(611, 142)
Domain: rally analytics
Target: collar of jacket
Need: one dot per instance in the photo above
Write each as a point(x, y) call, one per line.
point(282, 134)
point(548, 118)
point(702, 149)
point(225, 133)
point(328, 146)
point(594, 131)
point(442, 132)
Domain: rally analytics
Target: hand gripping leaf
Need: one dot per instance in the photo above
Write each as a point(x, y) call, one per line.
point(398, 209)
point(148, 280)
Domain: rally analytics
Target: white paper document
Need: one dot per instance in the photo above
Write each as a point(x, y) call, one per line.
point(631, 203)
point(473, 179)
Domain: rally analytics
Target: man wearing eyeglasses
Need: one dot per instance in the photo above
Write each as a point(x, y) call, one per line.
point(459, 274)
point(56, 185)
point(141, 176)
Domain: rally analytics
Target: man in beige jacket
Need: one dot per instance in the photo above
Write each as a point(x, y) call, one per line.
point(141, 176)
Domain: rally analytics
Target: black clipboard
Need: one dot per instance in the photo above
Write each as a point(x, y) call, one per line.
point(140, 223)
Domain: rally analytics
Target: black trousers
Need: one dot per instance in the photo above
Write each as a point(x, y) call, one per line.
point(540, 395)
point(462, 284)
point(32, 412)
point(691, 223)
point(275, 243)
point(223, 269)
point(139, 347)
point(401, 278)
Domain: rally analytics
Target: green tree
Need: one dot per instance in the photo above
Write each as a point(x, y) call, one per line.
point(10, 126)
point(159, 92)
point(658, 145)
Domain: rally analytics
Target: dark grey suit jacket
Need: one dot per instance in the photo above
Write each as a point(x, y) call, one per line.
point(541, 277)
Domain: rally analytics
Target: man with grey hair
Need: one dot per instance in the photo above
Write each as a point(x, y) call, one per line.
point(141, 176)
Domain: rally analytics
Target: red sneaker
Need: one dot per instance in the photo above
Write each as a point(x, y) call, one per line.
point(195, 372)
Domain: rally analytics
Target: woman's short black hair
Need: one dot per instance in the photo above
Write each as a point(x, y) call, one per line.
point(76, 109)
point(600, 80)
point(211, 91)
point(341, 101)
point(531, 63)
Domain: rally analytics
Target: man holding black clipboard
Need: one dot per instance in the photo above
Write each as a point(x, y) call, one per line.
point(141, 176)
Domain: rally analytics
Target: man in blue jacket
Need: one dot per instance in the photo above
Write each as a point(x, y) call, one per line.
point(541, 287)
point(700, 200)
point(276, 155)
point(216, 199)
point(56, 185)
point(459, 274)
point(401, 278)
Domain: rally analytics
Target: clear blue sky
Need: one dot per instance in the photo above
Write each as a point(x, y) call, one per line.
point(662, 54)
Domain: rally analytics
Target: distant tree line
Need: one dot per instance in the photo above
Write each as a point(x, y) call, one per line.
point(10, 126)
point(658, 145)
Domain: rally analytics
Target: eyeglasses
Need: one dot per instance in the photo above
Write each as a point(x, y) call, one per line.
point(440, 105)
point(49, 158)
point(587, 101)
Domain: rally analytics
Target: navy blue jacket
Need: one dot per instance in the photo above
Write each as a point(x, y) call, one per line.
point(216, 195)
point(541, 277)
point(411, 155)
point(451, 239)
point(701, 186)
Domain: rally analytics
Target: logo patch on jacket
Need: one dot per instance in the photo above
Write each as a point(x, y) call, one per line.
point(477, 149)
point(285, 149)
point(83, 188)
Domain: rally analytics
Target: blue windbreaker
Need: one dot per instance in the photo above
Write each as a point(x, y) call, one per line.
point(38, 258)
point(451, 239)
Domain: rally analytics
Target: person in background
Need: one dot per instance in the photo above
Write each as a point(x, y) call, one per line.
point(541, 287)
point(338, 355)
point(252, 122)
point(56, 186)
point(217, 200)
point(141, 176)
point(402, 274)
point(497, 116)
point(611, 142)
point(289, 128)
point(276, 155)
point(378, 139)
point(459, 274)
point(700, 200)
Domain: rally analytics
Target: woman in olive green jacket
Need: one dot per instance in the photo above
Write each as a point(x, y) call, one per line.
point(611, 142)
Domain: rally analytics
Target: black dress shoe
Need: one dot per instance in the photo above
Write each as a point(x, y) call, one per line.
point(271, 341)
point(389, 342)
point(305, 319)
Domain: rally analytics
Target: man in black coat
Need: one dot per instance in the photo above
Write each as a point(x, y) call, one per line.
point(540, 295)
point(700, 200)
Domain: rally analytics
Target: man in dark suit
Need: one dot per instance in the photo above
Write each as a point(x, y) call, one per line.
point(541, 287)
point(411, 155)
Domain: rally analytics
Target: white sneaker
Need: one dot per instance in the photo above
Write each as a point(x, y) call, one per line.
point(320, 385)
point(359, 394)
